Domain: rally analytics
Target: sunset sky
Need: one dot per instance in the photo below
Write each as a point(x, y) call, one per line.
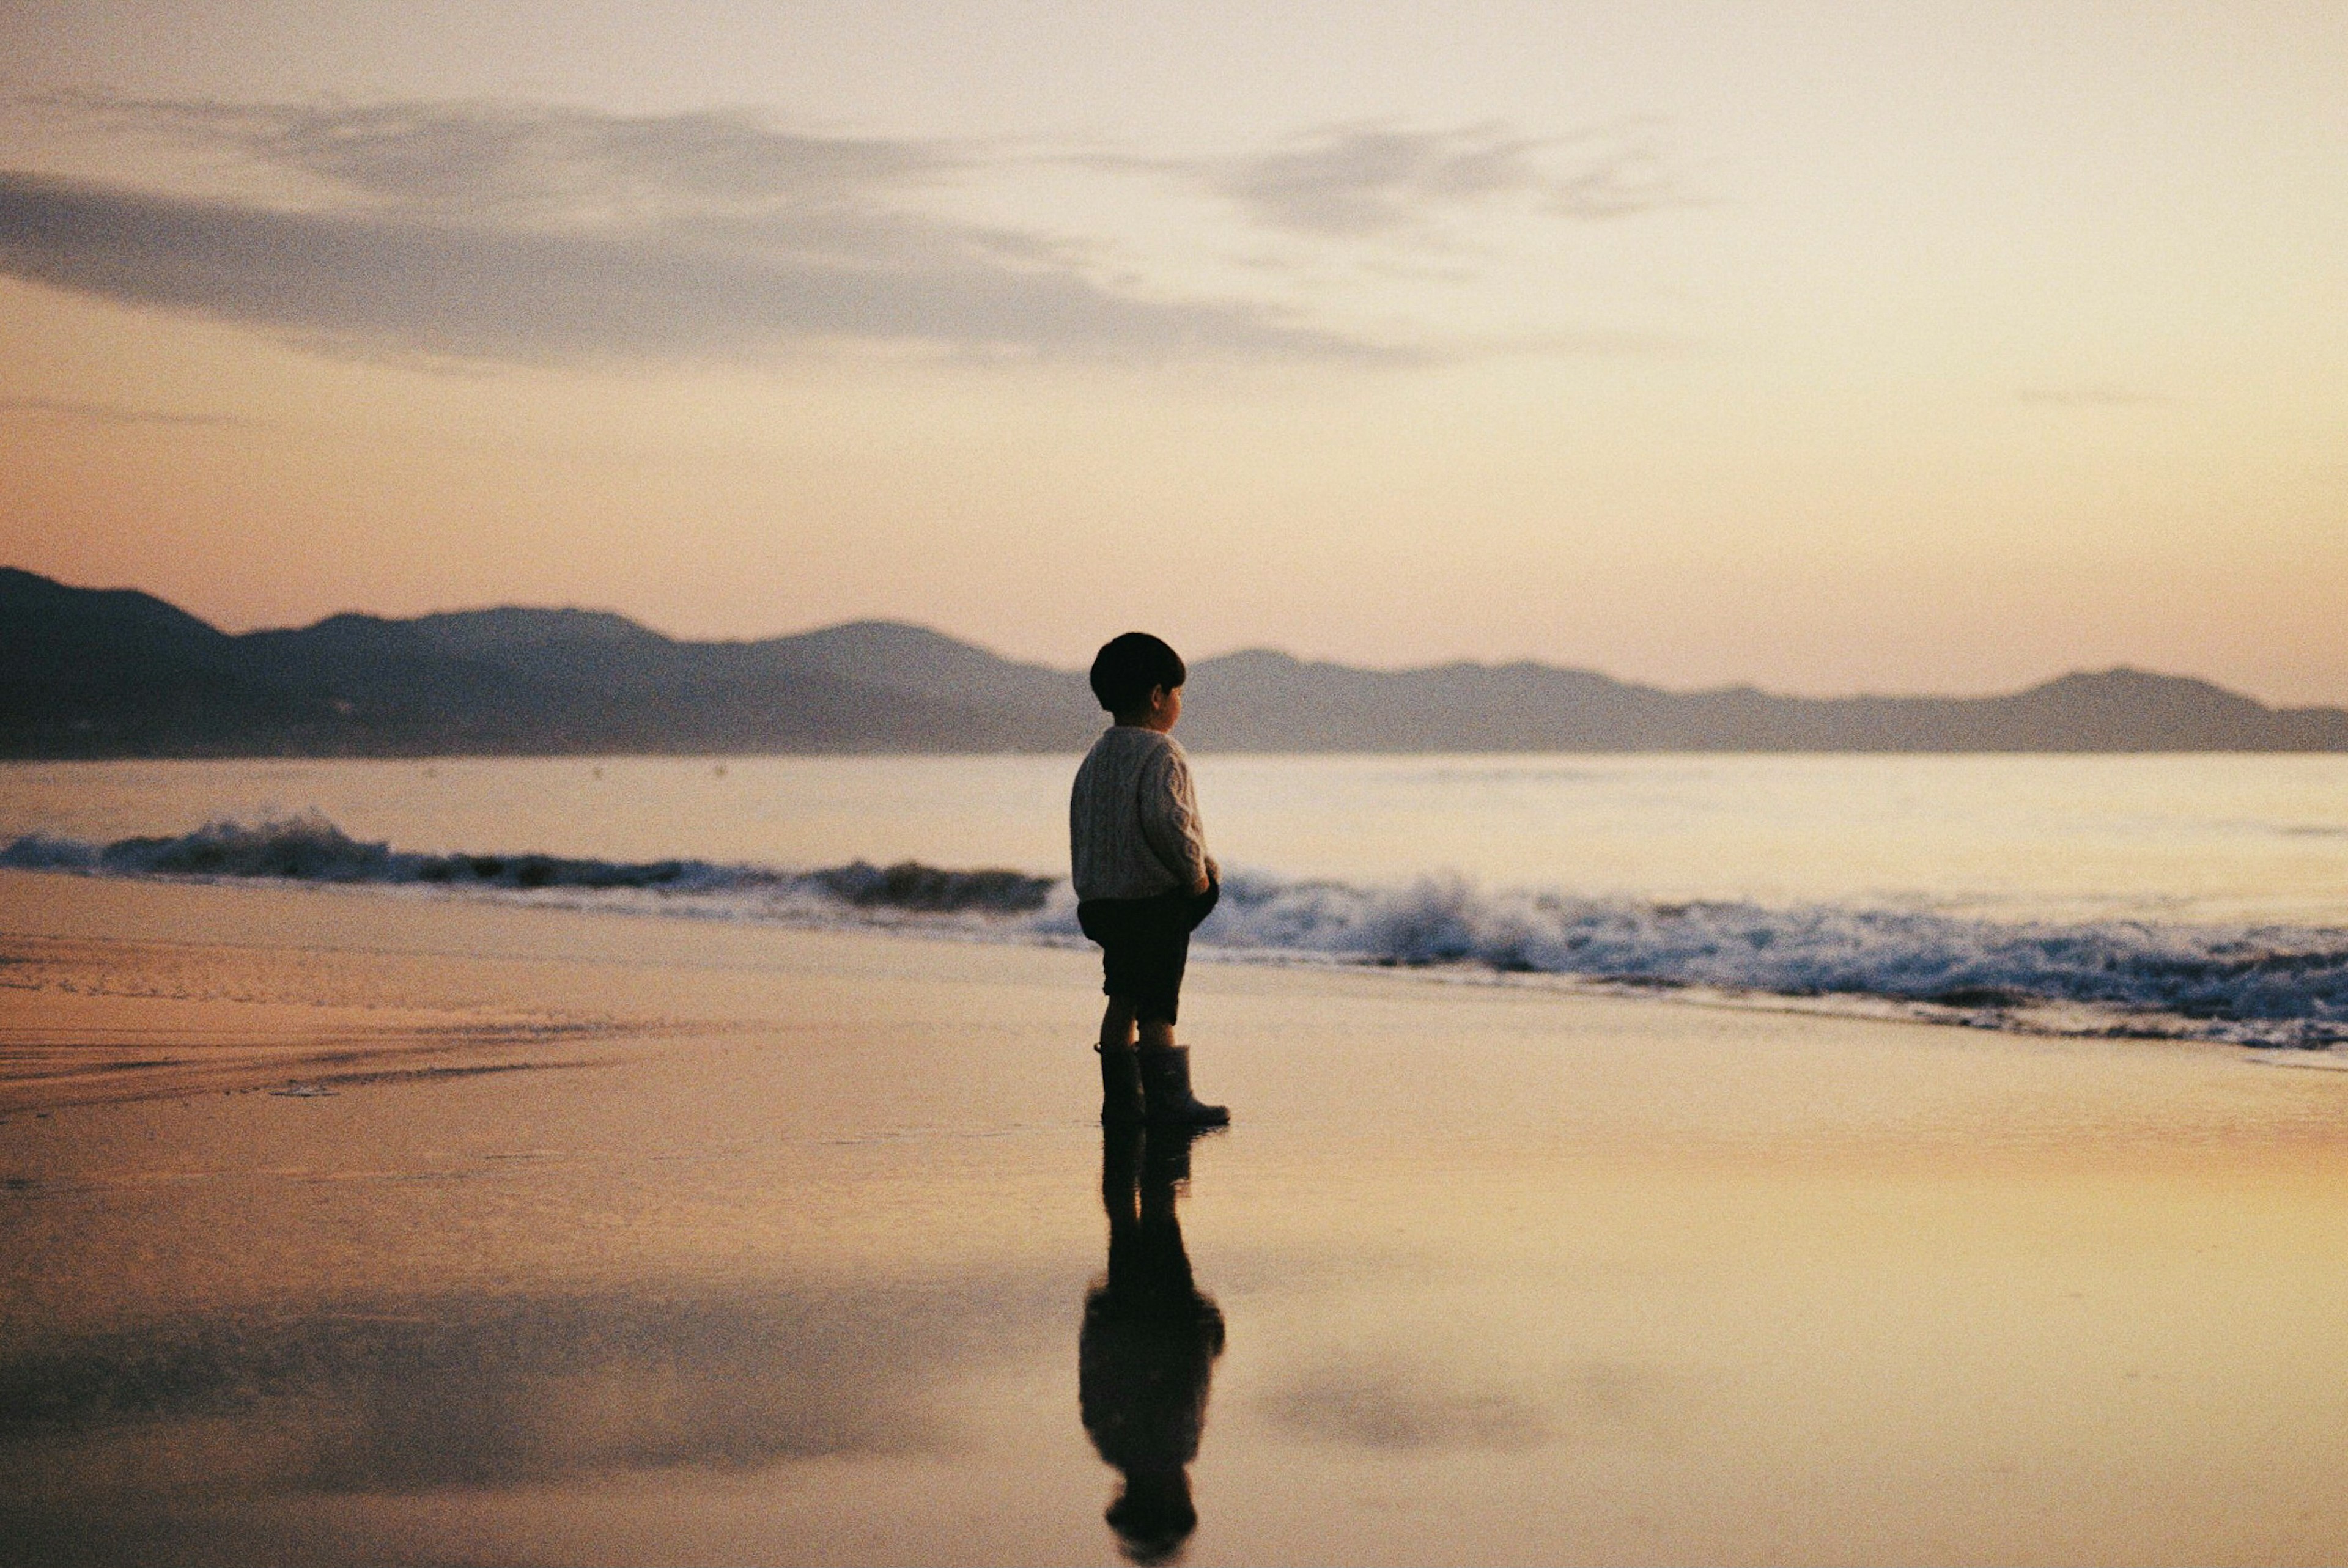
point(1892, 347)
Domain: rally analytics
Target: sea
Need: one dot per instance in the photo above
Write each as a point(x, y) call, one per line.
point(2188, 896)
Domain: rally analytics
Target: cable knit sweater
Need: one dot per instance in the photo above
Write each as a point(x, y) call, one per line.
point(1132, 818)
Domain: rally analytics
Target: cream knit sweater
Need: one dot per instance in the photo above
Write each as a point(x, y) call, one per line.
point(1132, 818)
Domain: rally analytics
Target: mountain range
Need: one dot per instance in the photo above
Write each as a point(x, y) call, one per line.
point(115, 673)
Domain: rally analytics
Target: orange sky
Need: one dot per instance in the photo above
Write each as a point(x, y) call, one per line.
point(1935, 347)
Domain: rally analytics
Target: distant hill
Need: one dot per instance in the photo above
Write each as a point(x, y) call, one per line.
point(1262, 700)
point(117, 673)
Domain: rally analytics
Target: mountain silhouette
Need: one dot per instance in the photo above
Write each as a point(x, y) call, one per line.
point(88, 672)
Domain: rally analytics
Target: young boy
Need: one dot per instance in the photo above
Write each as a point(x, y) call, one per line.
point(1144, 880)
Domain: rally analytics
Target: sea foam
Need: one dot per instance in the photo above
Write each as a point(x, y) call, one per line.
point(2255, 984)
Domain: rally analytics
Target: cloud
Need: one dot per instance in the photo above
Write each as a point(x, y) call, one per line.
point(529, 234)
point(524, 233)
point(1377, 180)
point(473, 159)
point(110, 413)
point(709, 288)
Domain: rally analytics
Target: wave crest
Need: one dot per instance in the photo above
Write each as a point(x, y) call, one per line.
point(310, 848)
point(2266, 985)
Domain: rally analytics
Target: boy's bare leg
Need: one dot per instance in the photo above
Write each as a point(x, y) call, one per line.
point(1121, 1100)
point(1157, 1034)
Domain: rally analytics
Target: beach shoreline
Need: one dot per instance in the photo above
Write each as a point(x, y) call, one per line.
point(787, 1262)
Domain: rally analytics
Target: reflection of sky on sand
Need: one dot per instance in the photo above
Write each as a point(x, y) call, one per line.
point(1378, 1408)
point(111, 1440)
point(802, 1277)
point(399, 1394)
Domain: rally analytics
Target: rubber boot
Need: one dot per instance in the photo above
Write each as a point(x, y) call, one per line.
point(1122, 1101)
point(1166, 1086)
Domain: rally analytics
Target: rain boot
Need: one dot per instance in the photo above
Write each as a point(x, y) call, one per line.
point(1166, 1087)
point(1121, 1100)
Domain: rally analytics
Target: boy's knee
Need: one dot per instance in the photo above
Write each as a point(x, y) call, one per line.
point(1143, 1009)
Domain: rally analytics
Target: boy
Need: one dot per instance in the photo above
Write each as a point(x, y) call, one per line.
point(1144, 880)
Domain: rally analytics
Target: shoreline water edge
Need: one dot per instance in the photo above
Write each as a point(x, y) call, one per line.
point(2267, 985)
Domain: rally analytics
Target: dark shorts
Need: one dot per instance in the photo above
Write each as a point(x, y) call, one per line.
point(1145, 943)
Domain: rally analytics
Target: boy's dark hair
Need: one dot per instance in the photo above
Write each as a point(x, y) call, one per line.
point(1127, 668)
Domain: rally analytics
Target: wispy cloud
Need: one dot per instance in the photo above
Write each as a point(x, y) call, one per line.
point(1384, 179)
point(711, 289)
point(477, 159)
point(110, 413)
point(524, 233)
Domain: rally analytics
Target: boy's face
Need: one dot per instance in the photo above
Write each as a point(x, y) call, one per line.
point(1165, 707)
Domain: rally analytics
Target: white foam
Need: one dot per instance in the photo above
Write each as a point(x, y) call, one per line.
point(2260, 985)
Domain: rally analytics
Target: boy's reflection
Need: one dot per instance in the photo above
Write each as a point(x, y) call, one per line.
point(1149, 1342)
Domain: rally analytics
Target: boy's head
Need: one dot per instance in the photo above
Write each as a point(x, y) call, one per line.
point(1130, 668)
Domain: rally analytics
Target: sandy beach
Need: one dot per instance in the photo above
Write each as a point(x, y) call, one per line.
point(363, 1226)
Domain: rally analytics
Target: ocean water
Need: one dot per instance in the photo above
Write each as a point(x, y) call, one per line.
point(2199, 896)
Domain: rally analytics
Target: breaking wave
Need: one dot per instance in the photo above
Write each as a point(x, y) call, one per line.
point(309, 849)
point(2255, 984)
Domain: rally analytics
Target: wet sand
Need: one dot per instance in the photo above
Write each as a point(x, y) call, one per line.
point(606, 1239)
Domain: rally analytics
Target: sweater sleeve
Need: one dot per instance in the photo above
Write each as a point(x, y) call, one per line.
point(1169, 817)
